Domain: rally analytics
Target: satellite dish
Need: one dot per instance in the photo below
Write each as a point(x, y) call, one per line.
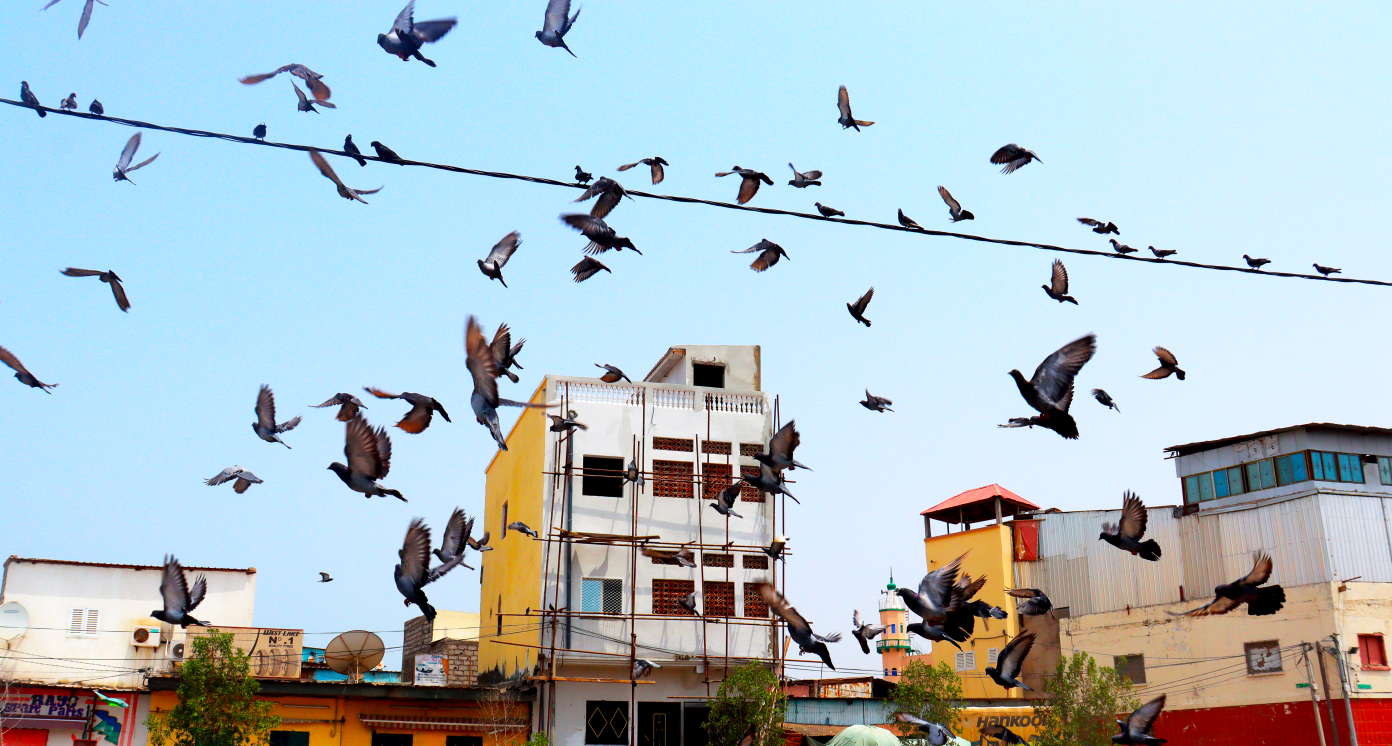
point(352, 653)
point(14, 621)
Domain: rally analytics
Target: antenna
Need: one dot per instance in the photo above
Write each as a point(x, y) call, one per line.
point(14, 621)
point(352, 653)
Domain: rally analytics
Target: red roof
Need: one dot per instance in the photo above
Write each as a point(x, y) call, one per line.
point(974, 501)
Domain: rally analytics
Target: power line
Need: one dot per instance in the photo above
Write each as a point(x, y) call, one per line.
point(694, 200)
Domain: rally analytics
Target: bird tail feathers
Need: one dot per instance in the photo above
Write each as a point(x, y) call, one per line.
point(394, 493)
point(1272, 599)
point(1150, 550)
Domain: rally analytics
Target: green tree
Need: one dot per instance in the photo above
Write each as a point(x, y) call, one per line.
point(1084, 700)
point(933, 693)
point(217, 700)
point(750, 695)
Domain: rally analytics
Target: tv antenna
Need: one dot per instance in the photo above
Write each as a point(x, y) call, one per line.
point(355, 652)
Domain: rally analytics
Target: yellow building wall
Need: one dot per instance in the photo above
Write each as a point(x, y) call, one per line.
point(990, 551)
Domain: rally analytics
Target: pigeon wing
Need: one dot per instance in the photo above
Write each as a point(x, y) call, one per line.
point(502, 344)
point(404, 19)
point(780, 607)
point(122, 302)
point(86, 16)
point(1219, 605)
point(221, 477)
point(502, 251)
point(74, 272)
point(1058, 282)
point(1166, 357)
point(952, 204)
point(762, 245)
point(9, 359)
point(1133, 517)
point(430, 31)
point(1054, 377)
point(265, 408)
point(200, 589)
point(1023, 592)
point(864, 302)
point(415, 553)
point(1143, 719)
point(326, 170)
point(936, 586)
point(482, 366)
point(416, 420)
point(174, 589)
point(785, 441)
point(1089, 221)
point(748, 188)
point(1013, 657)
point(360, 447)
point(1261, 570)
point(383, 452)
point(127, 153)
point(453, 541)
point(1157, 374)
point(843, 102)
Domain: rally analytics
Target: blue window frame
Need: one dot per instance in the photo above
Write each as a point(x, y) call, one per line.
point(1220, 483)
point(1341, 467)
point(1261, 475)
point(1385, 469)
point(1291, 469)
point(1205, 487)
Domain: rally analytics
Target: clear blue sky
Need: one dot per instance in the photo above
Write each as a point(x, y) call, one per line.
point(1214, 130)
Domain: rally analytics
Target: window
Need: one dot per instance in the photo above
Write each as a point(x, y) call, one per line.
point(605, 722)
point(672, 478)
point(1350, 468)
point(718, 598)
point(1372, 652)
point(717, 479)
point(1263, 657)
point(747, 493)
point(754, 606)
point(709, 376)
point(289, 738)
point(1132, 667)
point(1261, 475)
point(685, 445)
point(1341, 467)
point(1291, 469)
point(462, 741)
point(1198, 488)
point(891, 629)
point(1385, 469)
point(992, 655)
point(601, 595)
point(84, 622)
point(665, 594)
point(965, 660)
point(391, 739)
point(894, 672)
point(503, 533)
point(756, 561)
point(602, 476)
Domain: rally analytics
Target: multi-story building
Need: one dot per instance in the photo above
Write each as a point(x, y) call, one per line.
point(574, 608)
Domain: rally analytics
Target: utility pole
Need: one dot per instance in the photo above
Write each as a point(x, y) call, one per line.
point(1343, 678)
point(1314, 693)
point(1328, 695)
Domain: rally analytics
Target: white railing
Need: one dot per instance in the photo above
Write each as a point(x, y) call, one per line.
point(742, 403)
point(603, 393)
point(674, 398)
point(667, 397)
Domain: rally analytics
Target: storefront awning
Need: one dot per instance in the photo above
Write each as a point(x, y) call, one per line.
point(406, 722)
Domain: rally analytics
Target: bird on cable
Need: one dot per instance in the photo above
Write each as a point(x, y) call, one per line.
point(492, 266)
point(1100, 227)
point(1050, 390)
point(344, 190)
point(1121, 248)
point(1058, 284)
point(244, 479)
point(857, 309)
point(780, 450)
point(307, 104)
point(313, 80)
point(178, 599)
point(935, 633)
point(556, 25)
point(655, 164)
point(96, 108)
point(684, 557)
point(86, 14)
point(769, 253)
point(1326, 271)
point(688, 602)
point(938, 735)
point(749, 182)
point(412, 574)
point(843, 106)
point(1035, 602)
point(633, 473)
point(1126, 534)
point(22, 373)
point(798, 628)
point(69, 103)
point(1137, 730)
point(351, 148)
point(1256, 263)
point(641, 668)
point(107, 277)
point(937, 594)
point(1261, 601)
point(775, 548)
point(725, 500)
point(769, 481)
point(28, 98)
point(259, 131)
point(954, 208)
point(804, 180)
point(587, 268)
point(386, 153)
point(422, 409)
point(907, 221)
point(524, 528)
point(1105, 399)
point(611, 374)
point(407, 36)
point(1168, 364)
point(123, 166)
point(876, 403)
point(582, 176)
point(565, 424)
point(602, 237)
point(1013, 157)
point(483, 368)
point(828, 212)
point(265, 425)
point(324, 578)
point(1010, 661)
point(1002, 734)
point(608, 191)
point(348, 406)
point(368, 453)
point(863, 631)
point(1162, 253)
point(453, 545)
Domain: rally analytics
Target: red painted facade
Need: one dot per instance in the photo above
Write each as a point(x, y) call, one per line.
point(1282, 724)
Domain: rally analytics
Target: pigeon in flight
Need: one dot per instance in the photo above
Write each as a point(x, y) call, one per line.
point(109, 278)
point(492, 267)
point(29, 99)
point(1002, 734)
point(1105, 399)
point(265, 424)
point(524, 528)
point(348, 406)
point(685, 557)
point(1326, 271)
point(954, 208)
point(22, 373)
point(86, 14)
point(505, 352)
point(876, 403)
point(1050, 391)
point(798, 628)
point(775, 548)
point(1121, 248)
point(1100, 227)
point(1256, 263)
point(749, 182)
point(769, 481)
point(556, 25)
point(407, 37)
point(123, 166)
point(1035, 602)
point(843, 105)
point(1013, 157)
point(69, 103)
point(641, 668)
point(422, 409)
point(1010, 660)
point(689, 603)
point(907, 221)
point(863, 631)
point(938, 735)
point(654, 163)
point(828, 212)
point(780, 449)
point(602, 237)
point(1058, 285)
point(725, 501)
point(1137, 730)
point(587, 268)
point(483, 368)
point(244, 479)
point(307, 104)
point(611, 374)
point(1162, 253)
point(386, 153)
point(351, 148)
point(582, 176)
point(368, 453)
point(324, 578)
point(634, 474)
point(313, 80)
point(769, 253)
point(1128, 532)
point(344, 190)
point(1168, 365)
point(178, 599)
point(857, 309)
point(804, 180)
point(413, 572)
point(1261, 601)
point(609, 193)
point(96, 108)
point(453, 544)
point(938, 593)
point(259, 131)
point(565, 424)
point(480, 544)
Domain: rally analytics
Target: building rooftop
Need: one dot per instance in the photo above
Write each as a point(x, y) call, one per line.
point(39, 561)
point(1208, 445)
point(979, 505)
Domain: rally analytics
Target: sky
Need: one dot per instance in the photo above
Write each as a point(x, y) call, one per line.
point(1212, 129)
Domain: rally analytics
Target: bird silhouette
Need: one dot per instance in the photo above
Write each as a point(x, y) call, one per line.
point(582, 176)
point(654, 164)
point(1326, 271)
point(907, 221)
point(22, 373)
point(422, 408)
point(1050, 390)
point(69, 103)
point(259, 131)
point(27, 97)
point(1256, 263)
point(769, 253)
point(492, 265)
point(86, 14)
point(312, 79)
point(265, 425)
point(1162, 253)
point(308, 104)
point(1168, 365)
point(123, 166)
point(602, 237)
point(608, 191)
point(244, 479)
point(804, 180)
point(843, 106)
point(1126, 534)
point(348, 406)
point(344, 190)
point(1010, 660)
point(587, 268)
point(107, 277)
point(611, 374)
point(1058, 284)
point(178, 598)
point(1121, 248)
point(1261, 600)
point(954, 208)
point(828, 212)
point(1100, 227)
point(749, 182)
point(351, 148)
point(798, 627)
point(876, 403)
point(556, 25)
point(1136, 730)
point(1104, 399)
point(407, 36)
point(368, 453)
point(1012, 157)
point(412, 574)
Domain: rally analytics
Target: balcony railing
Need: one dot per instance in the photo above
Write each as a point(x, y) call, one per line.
point(664, 396)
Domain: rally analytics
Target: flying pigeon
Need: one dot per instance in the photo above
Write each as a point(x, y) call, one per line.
point(587, 268)
point(453, 544)
point(804, 180)
point(244, 479)
point(492, 267)
point(351, 148)
point(641, 668)
point(1326, 271)
point(780, 450)
point(864, 632)
point(876, 403)
point(749, 182)
point(602, 237)
point(556, 25)
point(1261, 601)
point(798, 628)
point(29, 99)
point(1035, 602)
point(178, 599)
point(386, 153)
point(1104, 399)
point(313, 80)
point(324, 578)
point(725, 501)
point(348, 406)
point(1100, 227)
point(307, 104)
point(907, 221)
point(86, 14)
point(1002, 734)
point(483, 368)
point(524, 528)
point(259, 131)
point(368, 453)
point(857, 309)
point(611, 374)
point(1128, 532)
point(22, 373)
point(1058, 285)
point(413, 572)
point(422, 409)
point(505, 352)
point(582, 176)
point(954, 208)
point(1162, 253)
point(1050, 391)
point(655, 164)
point(1256, 263)
point(565, 424)
point(610, 192)
point(986, 611)
point(684, 557)
point(1168, 365)
point(769, 252)
point(1013, 157)
point(938, 735)
point(96, 108)
point(1010, 660)
point(828, 212)
point(1137, 728)
point(634, 474)
point(69, 103)
point(265, 425)
point(109, 278)
point(775, 548)
point(406, 36)
point(938, 593)
point(123, 166)
point(344, 190)
point(769, 481)
point(843, 105)
point(689, 603)
point(480, 544)
point(1121, 248)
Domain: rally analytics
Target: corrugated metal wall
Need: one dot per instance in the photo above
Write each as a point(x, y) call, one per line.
point(836, 711)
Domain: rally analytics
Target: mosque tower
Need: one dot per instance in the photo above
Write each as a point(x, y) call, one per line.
point(893, 644)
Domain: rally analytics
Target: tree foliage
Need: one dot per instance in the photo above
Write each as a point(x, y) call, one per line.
point(933, 693)
point(1084, 701)
point(750, 695)
point(217, 700)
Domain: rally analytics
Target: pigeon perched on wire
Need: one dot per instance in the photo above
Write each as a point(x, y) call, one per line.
point(1100, 227)
point(1058, 284)
point(265, 425)
point(775, 548)
point(483, 368)
point(938, 735)
point(351, 148)
point(27, 97)
point(1326, 271)
point(582, 176)
point(368, 453)
point(1012, 157)
point(1121, 248)
point(1035, 601)
point(798, 628)
point(828, 212)
point(863, 631)
point(324, 578)
point(259, 131)
point(307, 104)
point(96, 108)
point(1126, 534)
point(1261, 600)
point(178, 598)
point(565, 424)
point(684, 557)
point(1168, 364)
point(344, 190)
point(857, 309)
point(86, 14)
point(1162, 253)
point(452, 545)
point(843, 107)
point(107, 277)
point(769, 253)
point(654, 164)
point(725, 500)
point(780, 449)
point(749, 182)
point(492, 266)
point(69, 103)
point(876, 403)
point(412, 574)
point(804, 180)
point(22, 373)
point(1050, 390)
point(587, 268)
point(1256, 263)
point(954, 208)
point(602, 237)
point(524, 528)
point(244, 479)
point(770, 481)
point(123, 166)
point(1010, 661)
point(313, 80)
point(688, 602)
point(505, 352)
point(1137, 730)
point(907, 221)
point(348, 406)
point(407, 36)
point(1105, 399)
point(938, 593)
point(422, 409)
point(556, 25)
point(642, 668)
point(608, 191)
point(611, 374)
point(386, 153)
point(1002, 734)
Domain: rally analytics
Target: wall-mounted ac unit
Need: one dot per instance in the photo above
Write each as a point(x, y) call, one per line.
point(146, 636)
point(176, 650)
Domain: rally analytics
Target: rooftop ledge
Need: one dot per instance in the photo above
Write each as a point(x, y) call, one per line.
point(660, 395)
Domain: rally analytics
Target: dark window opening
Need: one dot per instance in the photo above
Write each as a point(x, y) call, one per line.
point(1132, 667)
point(710, 376)
point(289, 738)
point(602, 476)
point(499, 614)
point(503, 532)
point(1263, 657)
point(605, 722)
point(463, 740)
point(694, 725)
point(391, 739)
point(1372, 653)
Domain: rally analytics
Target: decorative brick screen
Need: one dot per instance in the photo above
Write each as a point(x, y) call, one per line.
point(665, 561)
point(747, 493)
point(719, 598)
point(754, 605)
point(713, 559)
point(684, 445)
point(751, 449)
point(717, 479)
point(717, 447)
point(756, 561)
point(672, 478)
point(665, 594)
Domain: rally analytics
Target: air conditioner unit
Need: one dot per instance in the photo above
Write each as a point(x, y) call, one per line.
point(176, 650)
point(146, 636)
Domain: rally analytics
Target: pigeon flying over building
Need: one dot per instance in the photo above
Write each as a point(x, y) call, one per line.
point(775, 548)
point(1127, 533)
point(313, 80)
point(178, 599)
point(351, 148)
point(1058, 285)
point(608, 191)
point(265, 425)
point(954, 208)
point(556, 25)
point(857, 309)
point(480, 544)
point(769, 481)
point(938, 735)
point(611, 374)
point(769, 253)
point(324, 578)
point(107, 277)
point(828, 212)
point(22, 373)
point(1261, 601)
point(725, 500)
point(1002, 734)
point(907, 221)
point(86, 14)
point(1035, 602)
point(798, 628)
point(1326, 271)
point(1162, 253)
point(935, 633)
point(1256, 263)
point(843, 106)
point(641, 668)
point(505, 352)
point(27, 97)
point(259, 131)
point(1050, 390)
point(602, 237)
point(1168, 365)
point(96, 108)
point(483, 368)
point(876, 403)
point(685, 557)
point(654, 163)
point(244, 479)
point(123, 166)
point(780, 449)
point(1104, 399)
point(688, 602)
point(749, 182)
point(938, 593)
point(307, 104)
point(348, 406)
point(407, 36)
point(422, 409)
point(864, 632)
point(1010, 661)
point(386, 153)
point(413, 572)
point(1100, 227)
point(1121, 248)
point(804, 180)
point(565, 424)
point(1012, 157)
point(587, 268)
point(582, 176)
point(368, 453)
point(453, 544)
point(69, 103)
point(492, 266)
point(344, 190)
point(524, 528)
point(1136, 731)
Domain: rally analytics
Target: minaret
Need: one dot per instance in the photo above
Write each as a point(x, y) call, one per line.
point(893, 644)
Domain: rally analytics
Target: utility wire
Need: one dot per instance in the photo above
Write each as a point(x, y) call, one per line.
point(693, 200)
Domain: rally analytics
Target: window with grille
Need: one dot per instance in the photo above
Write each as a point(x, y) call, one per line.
point(718, 598)
point(602, 595)
point(748, 493)
point(1263, 657)
point(665, 593)
point(754, 606)
point(602, 476)
point(717, 479)
point(1372, 652)
point(965, 660)
point(1132, 667)
point(672, 478)
point(992, 655)
point(84, 622)
point(751, 449)
point(674, 444)
point(715, 559)
point(756, 561)
point(606, 722)
point(717, 447)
